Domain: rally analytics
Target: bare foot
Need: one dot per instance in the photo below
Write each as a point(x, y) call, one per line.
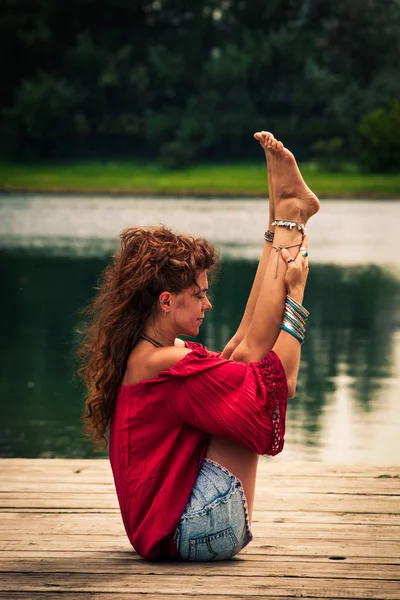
point(293, 199)
point(267, 140)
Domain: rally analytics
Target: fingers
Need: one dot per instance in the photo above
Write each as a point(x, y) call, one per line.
point(289, 260)
point(303, 254)
point(301, 260)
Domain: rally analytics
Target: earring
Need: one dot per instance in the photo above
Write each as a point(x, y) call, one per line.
point(164, 312)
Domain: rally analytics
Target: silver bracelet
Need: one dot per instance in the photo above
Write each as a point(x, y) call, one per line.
point(288, 329)
point(295, 315)
point(290, 326)
point(294, 318)
point(295, 323)
point(269, 236)
point(297, 306)
point(289, 225)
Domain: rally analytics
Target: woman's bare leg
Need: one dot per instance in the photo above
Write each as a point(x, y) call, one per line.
point(293, 200)
point(267, 142)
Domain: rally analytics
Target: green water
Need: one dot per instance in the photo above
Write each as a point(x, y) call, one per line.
point(345, 409)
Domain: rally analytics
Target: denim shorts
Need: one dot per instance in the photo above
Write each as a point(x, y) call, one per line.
point(215, 524)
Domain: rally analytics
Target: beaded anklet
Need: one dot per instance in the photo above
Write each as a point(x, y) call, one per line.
point(289, 225)
point(269, 236)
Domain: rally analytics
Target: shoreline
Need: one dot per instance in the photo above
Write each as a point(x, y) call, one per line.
point(182, 193)
point(240, 180)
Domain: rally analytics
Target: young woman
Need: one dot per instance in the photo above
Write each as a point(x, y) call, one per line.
point(186, 425)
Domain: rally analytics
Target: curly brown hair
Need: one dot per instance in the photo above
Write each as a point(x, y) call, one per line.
point(151, 260)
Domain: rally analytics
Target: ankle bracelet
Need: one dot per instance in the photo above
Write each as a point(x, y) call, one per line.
point(289, 225)
point(269, 236)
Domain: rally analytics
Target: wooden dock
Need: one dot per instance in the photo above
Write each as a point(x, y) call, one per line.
point(320, 532)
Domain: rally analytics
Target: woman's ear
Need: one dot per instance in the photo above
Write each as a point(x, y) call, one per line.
point(165, 301)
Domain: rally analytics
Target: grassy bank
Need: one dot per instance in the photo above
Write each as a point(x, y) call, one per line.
point(234, 179)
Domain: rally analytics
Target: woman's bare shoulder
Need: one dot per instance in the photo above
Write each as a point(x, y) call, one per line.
point(165, 358)
point(147, 365)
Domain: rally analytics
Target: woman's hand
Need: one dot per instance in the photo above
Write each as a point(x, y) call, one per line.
point(297, 271)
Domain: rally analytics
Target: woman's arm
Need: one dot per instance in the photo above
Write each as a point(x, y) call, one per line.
point(264, 333)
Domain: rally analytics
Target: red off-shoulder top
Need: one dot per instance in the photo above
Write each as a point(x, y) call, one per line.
point(160, 429)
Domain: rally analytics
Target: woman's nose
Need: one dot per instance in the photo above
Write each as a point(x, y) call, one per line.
point(208, 305)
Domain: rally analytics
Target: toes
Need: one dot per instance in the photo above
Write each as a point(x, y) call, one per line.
point(267, 138)
point(268, 141)
point(277, 146)
point(260, 138)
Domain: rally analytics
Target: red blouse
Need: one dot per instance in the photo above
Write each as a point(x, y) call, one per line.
point(160, 429)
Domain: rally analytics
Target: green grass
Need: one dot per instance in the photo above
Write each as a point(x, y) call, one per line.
point(232, 179)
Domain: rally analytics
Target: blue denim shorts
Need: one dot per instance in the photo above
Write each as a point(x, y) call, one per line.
point(215, 524)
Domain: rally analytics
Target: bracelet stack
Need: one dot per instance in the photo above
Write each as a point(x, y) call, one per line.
point(294, 319)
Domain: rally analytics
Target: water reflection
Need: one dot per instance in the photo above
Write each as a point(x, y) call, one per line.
point(347, 381)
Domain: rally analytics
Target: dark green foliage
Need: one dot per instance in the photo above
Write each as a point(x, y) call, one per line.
point(330, 154)
point(190, 81)
point(379, 132)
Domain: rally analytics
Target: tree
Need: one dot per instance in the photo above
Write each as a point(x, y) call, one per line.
point(191, 81)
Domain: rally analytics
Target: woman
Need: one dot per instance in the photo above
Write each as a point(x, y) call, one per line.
point(187, 425)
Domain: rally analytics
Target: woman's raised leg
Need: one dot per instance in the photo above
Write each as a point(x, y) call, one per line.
point(267, 142)
point(294, 201)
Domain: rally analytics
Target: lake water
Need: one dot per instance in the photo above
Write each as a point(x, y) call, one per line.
point(53, 249)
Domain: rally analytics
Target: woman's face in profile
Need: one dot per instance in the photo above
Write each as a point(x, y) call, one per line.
point(191, 306)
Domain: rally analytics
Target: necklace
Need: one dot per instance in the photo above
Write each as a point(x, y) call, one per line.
point(151, 340)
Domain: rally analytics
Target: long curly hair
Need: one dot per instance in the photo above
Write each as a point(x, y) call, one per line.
point(151, 260)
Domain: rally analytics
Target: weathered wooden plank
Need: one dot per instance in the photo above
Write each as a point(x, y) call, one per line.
point(324, 485)
point(272, 535)
point(48, 524)
point(271, 470)
point(129, 595)
point(185, 586)
point(61, 534)
point(269, 467)
point(281, 502)
point(292, 546)
point(109, 557)
point(294, 568)
point(272, 532)
point(264, 481)
point(113, 515)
